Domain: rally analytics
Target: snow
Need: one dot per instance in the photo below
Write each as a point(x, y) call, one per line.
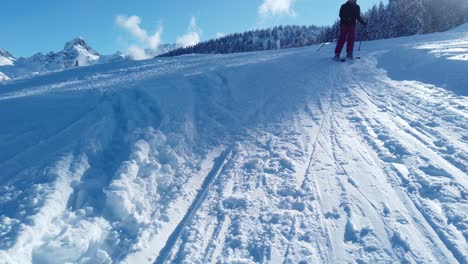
point(267, 157)
point(3, 77)
point(6, 58)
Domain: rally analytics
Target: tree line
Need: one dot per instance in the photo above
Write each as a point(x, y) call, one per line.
point(397, 18)
point(280, 37)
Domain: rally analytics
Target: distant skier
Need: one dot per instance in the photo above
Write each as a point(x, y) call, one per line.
point(76, 64)
point(349, 13)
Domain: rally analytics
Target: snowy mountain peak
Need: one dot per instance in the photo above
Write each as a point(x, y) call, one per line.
point(79, 48)
point(79, 41)
point(75, 51)
point(5, 53)
point(6, 58)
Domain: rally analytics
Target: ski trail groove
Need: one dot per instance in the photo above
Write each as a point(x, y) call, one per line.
point(326, 115)
point(218, 167)
point(419, 144)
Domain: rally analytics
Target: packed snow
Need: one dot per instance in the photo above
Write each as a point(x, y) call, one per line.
point(267, 157)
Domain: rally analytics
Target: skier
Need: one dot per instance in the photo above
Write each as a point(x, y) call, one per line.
point(349, 13)
point(76, 64)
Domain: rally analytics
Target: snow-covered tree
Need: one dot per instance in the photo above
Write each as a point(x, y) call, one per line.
point(412, 17)
point(443, 15)
point(275, 38)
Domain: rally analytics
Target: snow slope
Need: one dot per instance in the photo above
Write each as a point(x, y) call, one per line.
point(269, 157)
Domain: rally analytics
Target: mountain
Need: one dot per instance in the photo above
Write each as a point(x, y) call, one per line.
point(76, 50)
point(6, 58)
point(280, 156)
point(118, 56)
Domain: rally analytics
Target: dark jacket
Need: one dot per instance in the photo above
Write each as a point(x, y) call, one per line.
point(349, 13)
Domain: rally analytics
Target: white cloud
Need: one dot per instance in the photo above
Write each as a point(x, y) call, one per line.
point(189, 39)
point(192, 37)
point(138, 53)
point(276, 7)
point(147, 43)
point(132, 24)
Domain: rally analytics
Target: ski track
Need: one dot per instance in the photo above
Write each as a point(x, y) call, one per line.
point(339, 164)
point(366, 230)
point(432, 170)
point(217, 168)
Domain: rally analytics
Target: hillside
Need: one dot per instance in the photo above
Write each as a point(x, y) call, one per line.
point(280, 156)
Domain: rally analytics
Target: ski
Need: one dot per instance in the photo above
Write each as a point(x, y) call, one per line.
point(340, 59)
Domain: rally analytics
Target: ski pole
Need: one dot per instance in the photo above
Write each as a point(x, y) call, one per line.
point(360, 43)
point(359, 50)
point(325, 43)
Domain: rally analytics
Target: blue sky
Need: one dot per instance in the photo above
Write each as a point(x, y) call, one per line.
point(30, 26)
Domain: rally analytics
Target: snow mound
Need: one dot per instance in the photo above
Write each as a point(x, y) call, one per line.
point(438, 59)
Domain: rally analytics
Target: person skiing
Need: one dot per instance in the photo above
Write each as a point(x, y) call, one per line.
point(349, 13)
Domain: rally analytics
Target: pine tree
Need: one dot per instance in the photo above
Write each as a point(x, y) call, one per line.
point(412, 17)
point(383, 19)
point(372, 31)
point(443, 15)
point(393, 14)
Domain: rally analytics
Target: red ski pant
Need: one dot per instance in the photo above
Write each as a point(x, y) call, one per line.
point(348, 35)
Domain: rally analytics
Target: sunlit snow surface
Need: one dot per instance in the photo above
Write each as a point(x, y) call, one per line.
point(266, 157)
point(452, 50)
